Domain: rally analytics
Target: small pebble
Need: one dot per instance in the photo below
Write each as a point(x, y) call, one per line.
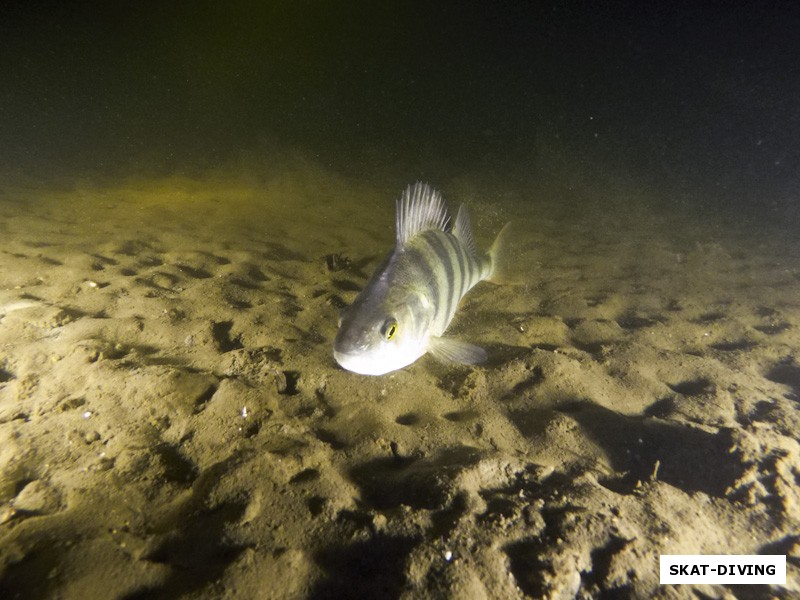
point(6, 514)
point(37, 498)
point(281, 383)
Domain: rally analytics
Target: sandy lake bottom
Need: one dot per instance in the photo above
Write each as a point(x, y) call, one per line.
point(173, 424)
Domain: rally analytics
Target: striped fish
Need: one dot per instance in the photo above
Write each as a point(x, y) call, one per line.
point(405, 308)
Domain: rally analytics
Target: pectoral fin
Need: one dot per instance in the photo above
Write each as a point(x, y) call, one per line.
point(451, 350)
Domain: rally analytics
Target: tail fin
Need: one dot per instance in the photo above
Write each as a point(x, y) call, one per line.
point(502, 271)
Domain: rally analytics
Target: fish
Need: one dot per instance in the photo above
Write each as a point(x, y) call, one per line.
point(404, 310)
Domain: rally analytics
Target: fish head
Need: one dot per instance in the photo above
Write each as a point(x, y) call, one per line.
point(375, 341)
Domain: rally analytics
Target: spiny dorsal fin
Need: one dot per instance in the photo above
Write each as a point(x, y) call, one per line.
point(463, 230)
point(418, 209)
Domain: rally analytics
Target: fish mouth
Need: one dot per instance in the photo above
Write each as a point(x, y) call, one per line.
point(340, 356)
point(344, 351)
point(356, 363)
point(345, 359)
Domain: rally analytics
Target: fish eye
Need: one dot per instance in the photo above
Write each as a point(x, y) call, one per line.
point(389, 329)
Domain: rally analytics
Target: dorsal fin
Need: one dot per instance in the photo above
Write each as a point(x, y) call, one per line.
point(463, 230)
point(418, 209)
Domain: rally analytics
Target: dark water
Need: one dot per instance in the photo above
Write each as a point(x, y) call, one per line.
point(700, 104)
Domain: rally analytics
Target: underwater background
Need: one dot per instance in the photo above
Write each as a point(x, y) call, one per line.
point(192, 192)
